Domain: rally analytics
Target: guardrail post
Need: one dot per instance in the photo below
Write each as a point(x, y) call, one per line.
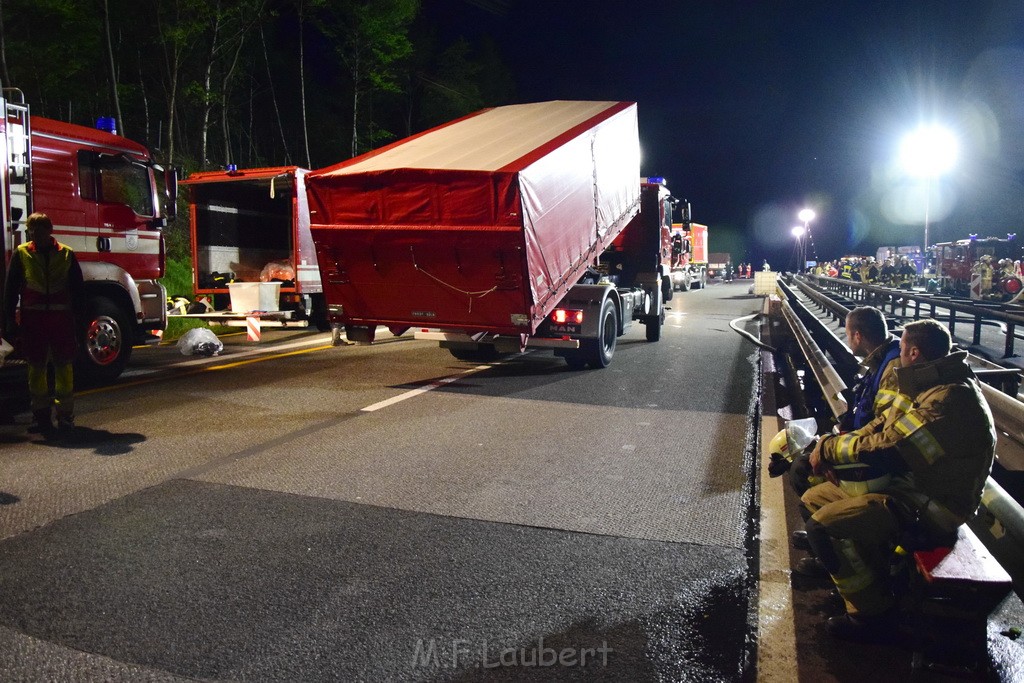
point(952, 321)
point(1011, 329)
point(977, 330)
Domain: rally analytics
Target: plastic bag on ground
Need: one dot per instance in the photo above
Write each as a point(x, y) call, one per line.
point(200, 341)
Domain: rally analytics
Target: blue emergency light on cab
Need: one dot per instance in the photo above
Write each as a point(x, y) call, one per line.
point(656, 180)
point(107, 124)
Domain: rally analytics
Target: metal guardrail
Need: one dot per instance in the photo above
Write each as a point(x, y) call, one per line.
point(832, 385)
point(978, 312)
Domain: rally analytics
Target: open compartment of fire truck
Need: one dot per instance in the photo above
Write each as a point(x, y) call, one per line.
point(253, 226)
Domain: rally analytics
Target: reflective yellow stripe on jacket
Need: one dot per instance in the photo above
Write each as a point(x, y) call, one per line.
point(912, 428)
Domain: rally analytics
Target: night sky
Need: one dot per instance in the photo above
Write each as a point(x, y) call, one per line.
point(754, 109)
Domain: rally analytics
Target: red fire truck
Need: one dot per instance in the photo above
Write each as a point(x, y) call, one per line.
point(689, 253)
point(954, 261)
point(108, 201)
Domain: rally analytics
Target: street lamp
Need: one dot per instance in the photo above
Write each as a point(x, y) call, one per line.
point(927, 153)
point(806, 215)
point(799, 232)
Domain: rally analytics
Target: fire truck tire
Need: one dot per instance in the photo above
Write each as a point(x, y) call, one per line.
point(318, 313)
point(666, 288)
point(107, 344)
point(702, 281)
point(684, 286)
point(654, 325)
point(598, 352)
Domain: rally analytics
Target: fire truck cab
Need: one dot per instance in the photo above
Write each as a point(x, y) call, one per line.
point(108, 201)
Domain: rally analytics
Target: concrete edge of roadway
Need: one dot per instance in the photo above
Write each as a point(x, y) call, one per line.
point(776, 631)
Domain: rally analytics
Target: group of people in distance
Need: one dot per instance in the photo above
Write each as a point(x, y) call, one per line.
point(904, 468)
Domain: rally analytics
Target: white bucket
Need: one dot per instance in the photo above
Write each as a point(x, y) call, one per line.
point(255, 296)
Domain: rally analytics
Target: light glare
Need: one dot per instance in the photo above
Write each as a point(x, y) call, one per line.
point(806, 215)
point(929, 151)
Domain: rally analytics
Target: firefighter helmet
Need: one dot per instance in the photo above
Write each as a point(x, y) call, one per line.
point(779, 445)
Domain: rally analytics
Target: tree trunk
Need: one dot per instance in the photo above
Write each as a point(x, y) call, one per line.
point(302, 83)
point(113, 71)
point(273, 98)
point(224, 99)
point(207, 97)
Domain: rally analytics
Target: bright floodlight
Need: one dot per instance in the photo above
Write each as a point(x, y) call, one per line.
point(929, 151)
point(806, 215)
point(798, 231)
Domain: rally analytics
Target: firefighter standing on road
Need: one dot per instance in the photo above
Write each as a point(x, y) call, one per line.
point(46, 277)
point(938, 441)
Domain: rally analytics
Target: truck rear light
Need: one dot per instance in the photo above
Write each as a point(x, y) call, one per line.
point(561, 316)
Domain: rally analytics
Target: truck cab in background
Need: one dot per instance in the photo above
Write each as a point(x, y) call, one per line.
point(689, 253)
point(109, 202)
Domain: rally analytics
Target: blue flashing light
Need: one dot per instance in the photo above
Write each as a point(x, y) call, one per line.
point(1011, 235)
point(656, 180)
point(232, 168)
point(107, 123)
point(973, 236)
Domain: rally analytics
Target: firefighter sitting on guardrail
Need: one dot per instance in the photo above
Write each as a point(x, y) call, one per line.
point(867, 335)
point(937, 441)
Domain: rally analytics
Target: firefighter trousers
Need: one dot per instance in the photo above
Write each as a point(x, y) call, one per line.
point(63, 388)
point(854, 537)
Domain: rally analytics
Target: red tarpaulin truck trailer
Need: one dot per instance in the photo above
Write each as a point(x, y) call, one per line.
point(250, 225)
point(108, 201)
point(485, 232)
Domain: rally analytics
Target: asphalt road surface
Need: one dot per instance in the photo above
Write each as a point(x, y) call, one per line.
point(295, 511)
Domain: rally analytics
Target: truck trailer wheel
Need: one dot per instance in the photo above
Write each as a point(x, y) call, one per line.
point(598, 352)
point(702, 281)
point(684, 286)
point(107, 344)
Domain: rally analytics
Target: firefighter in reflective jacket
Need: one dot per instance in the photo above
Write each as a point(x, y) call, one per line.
point(938, 441)
point(46, 277)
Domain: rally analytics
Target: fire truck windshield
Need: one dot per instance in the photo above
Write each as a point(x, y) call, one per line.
point(125, 182)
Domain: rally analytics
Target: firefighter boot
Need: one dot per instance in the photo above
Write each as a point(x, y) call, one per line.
point(65, 422)
point(42, 423)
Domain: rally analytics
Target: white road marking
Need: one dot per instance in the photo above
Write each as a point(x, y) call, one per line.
point(422, 390)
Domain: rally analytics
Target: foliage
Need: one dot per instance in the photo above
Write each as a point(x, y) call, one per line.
point(205, 83)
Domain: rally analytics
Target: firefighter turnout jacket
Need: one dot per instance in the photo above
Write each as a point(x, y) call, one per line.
point(877, 388)
point(938, 437)
point(50, 286)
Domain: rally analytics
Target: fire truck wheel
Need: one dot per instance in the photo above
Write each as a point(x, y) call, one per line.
point(107, 344)
point(318, 313)
point(654, 325)
point(684, 286)
point(598, 352)
point(666, 289)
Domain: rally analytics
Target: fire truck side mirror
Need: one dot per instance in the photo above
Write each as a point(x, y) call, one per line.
point(171, 192)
